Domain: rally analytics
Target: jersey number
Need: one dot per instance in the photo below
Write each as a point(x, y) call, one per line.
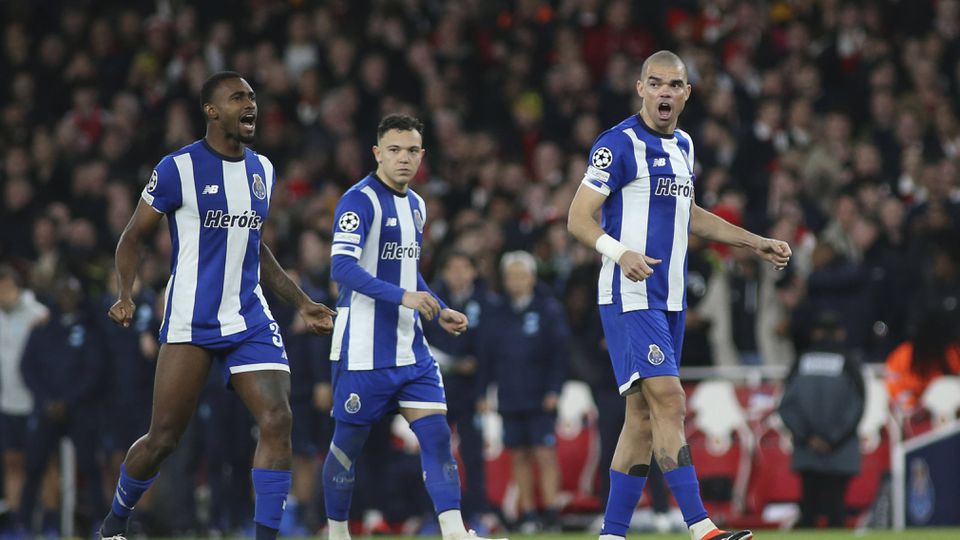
point(277, 340)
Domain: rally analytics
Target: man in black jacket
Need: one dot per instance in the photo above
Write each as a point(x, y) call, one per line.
point(822, 405)
point(63, 365)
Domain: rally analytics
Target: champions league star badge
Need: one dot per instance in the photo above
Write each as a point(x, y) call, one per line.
point(655, 356)
point(602, 158)
point(152, 184)
point(352, 405)
point(259, 188)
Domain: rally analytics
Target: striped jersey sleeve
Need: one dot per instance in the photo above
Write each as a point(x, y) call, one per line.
point(352, 221)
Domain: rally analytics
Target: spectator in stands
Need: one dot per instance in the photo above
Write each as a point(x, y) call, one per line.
point(822, 403)
point(20, 311)
point(932, 352)
point(524, 350)
point(457, 357)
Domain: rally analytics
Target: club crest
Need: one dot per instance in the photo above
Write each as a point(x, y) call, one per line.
point(352, 405)
point(655, 356)
point(259, 188)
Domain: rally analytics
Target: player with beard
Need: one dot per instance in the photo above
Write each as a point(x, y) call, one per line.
point(215, 193)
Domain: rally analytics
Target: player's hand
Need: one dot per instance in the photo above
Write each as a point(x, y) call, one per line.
point(423, 302)
point(121, 312)
point(318, 317)
point(776, 252)
point(453, 321)
point(636, 266)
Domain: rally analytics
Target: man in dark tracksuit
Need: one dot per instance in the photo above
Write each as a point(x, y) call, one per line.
point(64, 367)
point(457, 356)
point(524, 350)
point(822, 405)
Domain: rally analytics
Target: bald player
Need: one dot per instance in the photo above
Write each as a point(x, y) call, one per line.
point(641, 179)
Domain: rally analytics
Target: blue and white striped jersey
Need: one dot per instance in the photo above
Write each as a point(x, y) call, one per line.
point(216, 206)
point(383, 230)
point(648, 180)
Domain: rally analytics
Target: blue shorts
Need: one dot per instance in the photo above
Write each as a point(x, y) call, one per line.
point(364, 397)
point(255, 349)
point(13, 431)
point(642, 343)
point(529, 429)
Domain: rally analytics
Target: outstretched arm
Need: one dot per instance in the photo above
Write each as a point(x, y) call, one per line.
point(583, 226)
point(141, 225)
point(319, 318)
point(709, 226)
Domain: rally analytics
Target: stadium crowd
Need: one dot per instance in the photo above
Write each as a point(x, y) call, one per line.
point(830, 123)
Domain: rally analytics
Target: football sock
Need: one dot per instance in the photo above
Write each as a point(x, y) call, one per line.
point(625, 492)
point(339, 469)
point(440, 473)
point(686, 490)
point(128, 492)
point(271, 487)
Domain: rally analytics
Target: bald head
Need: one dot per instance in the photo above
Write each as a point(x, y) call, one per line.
point(663, 58)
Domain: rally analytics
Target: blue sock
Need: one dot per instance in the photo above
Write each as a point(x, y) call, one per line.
point(686, 490)
point(625, 492)
point(440, 474)
point(339, 468)
point(271, 487)
point(129, 490)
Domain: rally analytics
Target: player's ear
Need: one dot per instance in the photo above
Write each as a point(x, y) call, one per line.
point(376, 153)
point(689, 90)
point(211, 111)
point(639, 87)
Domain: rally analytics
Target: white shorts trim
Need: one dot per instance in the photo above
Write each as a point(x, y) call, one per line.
point(423, 405)
point(626, 386)
point(266, 366)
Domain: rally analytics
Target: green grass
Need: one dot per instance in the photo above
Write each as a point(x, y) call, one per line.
point(834, 534)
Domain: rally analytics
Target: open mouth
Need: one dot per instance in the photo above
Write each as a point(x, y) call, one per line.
point(248, 120)
point(664, 110)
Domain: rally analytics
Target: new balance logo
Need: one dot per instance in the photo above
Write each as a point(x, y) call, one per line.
point(211, 189)
point(660, 162)
point(391, 222)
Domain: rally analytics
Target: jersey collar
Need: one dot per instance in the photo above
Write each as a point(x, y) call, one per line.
point(650, 130)
point(388, 188)
point(221, 156)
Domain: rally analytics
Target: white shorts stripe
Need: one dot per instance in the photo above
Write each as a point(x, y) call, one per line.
point(423, 405)
point(265, 366)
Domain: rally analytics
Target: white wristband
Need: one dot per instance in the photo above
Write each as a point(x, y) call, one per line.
point(609, 246)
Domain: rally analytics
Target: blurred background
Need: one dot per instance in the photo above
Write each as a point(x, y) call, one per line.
point(831, 124)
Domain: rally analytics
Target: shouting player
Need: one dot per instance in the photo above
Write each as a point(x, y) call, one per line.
point(215, 194)
point(641, 177)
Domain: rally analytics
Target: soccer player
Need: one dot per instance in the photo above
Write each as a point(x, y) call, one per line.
point(215, 194)
point(381, 360)
point(640, 177)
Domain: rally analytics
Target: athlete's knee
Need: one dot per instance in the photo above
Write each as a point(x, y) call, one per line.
point(275, 421)
point(432, 431)
point(667, 400)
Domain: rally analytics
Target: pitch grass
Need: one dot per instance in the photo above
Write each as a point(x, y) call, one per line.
point(832, 534)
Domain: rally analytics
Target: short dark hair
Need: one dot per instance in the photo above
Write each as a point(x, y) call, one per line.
point(400, 122)
point(210, 85)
